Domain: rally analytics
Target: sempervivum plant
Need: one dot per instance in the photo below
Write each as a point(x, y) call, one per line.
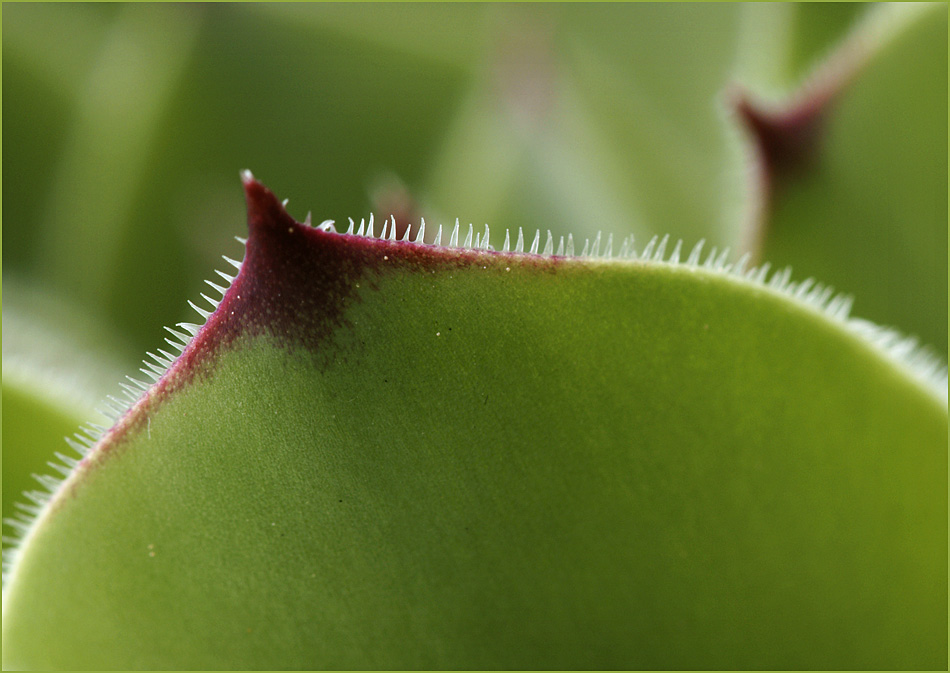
point(393, 444)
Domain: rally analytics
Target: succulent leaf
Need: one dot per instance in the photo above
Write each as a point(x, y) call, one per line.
point(856, 159)
point(385, 454)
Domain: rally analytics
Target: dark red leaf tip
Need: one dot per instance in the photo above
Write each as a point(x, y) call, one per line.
point(263, 208)
point(788, 141)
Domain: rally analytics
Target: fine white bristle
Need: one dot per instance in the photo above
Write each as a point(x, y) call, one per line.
point(454, 237)
point(625, 248)
point(21, 526)
point(694, 254)
point(595, 246)
point(741, 263)
point(176, 346)
point(720, 262)
point(648, 250)
point(535, 242)
point(76, 446)
point(33, 510)
point(38, 497)
point(189, 327)
point(130, 392)
point(919, 361)
point(760, 275)
point(217, 287)
point(229, 279)
point(65, 460)
point(62, 469)
point(184, 338)
point(141, 385)
point(154, 370)
point(150, 374)
point(200, 311)
point(47, 482)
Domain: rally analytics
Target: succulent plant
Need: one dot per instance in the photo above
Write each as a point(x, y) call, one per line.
point(397, 444)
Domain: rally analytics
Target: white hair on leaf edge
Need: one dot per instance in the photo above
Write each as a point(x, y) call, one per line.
point(921, 363)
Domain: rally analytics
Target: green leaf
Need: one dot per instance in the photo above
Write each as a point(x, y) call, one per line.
point(26, 450)
point(377, 454)
point(781, 44)
point(57, 367)
point(122, 120)
point(864, 171)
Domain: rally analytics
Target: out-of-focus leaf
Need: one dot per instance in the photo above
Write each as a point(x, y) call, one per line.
point(781, 44)
point(611, 116)
point(34, 425)
point(442, 33)
point(348, 109)
point(865, 208)
point(377, 454)
point(57, 368)
point(598, 108)
point(123, 174)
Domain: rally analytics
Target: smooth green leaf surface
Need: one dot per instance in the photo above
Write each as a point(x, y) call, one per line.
point(377, 454)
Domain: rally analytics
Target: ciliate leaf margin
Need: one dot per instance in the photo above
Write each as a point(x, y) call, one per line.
point(904, 352)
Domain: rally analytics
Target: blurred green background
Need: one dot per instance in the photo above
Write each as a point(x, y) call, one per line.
point(126, 126)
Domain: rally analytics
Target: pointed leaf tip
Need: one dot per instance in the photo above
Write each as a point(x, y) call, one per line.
point(787, 140)
point(263, 208)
